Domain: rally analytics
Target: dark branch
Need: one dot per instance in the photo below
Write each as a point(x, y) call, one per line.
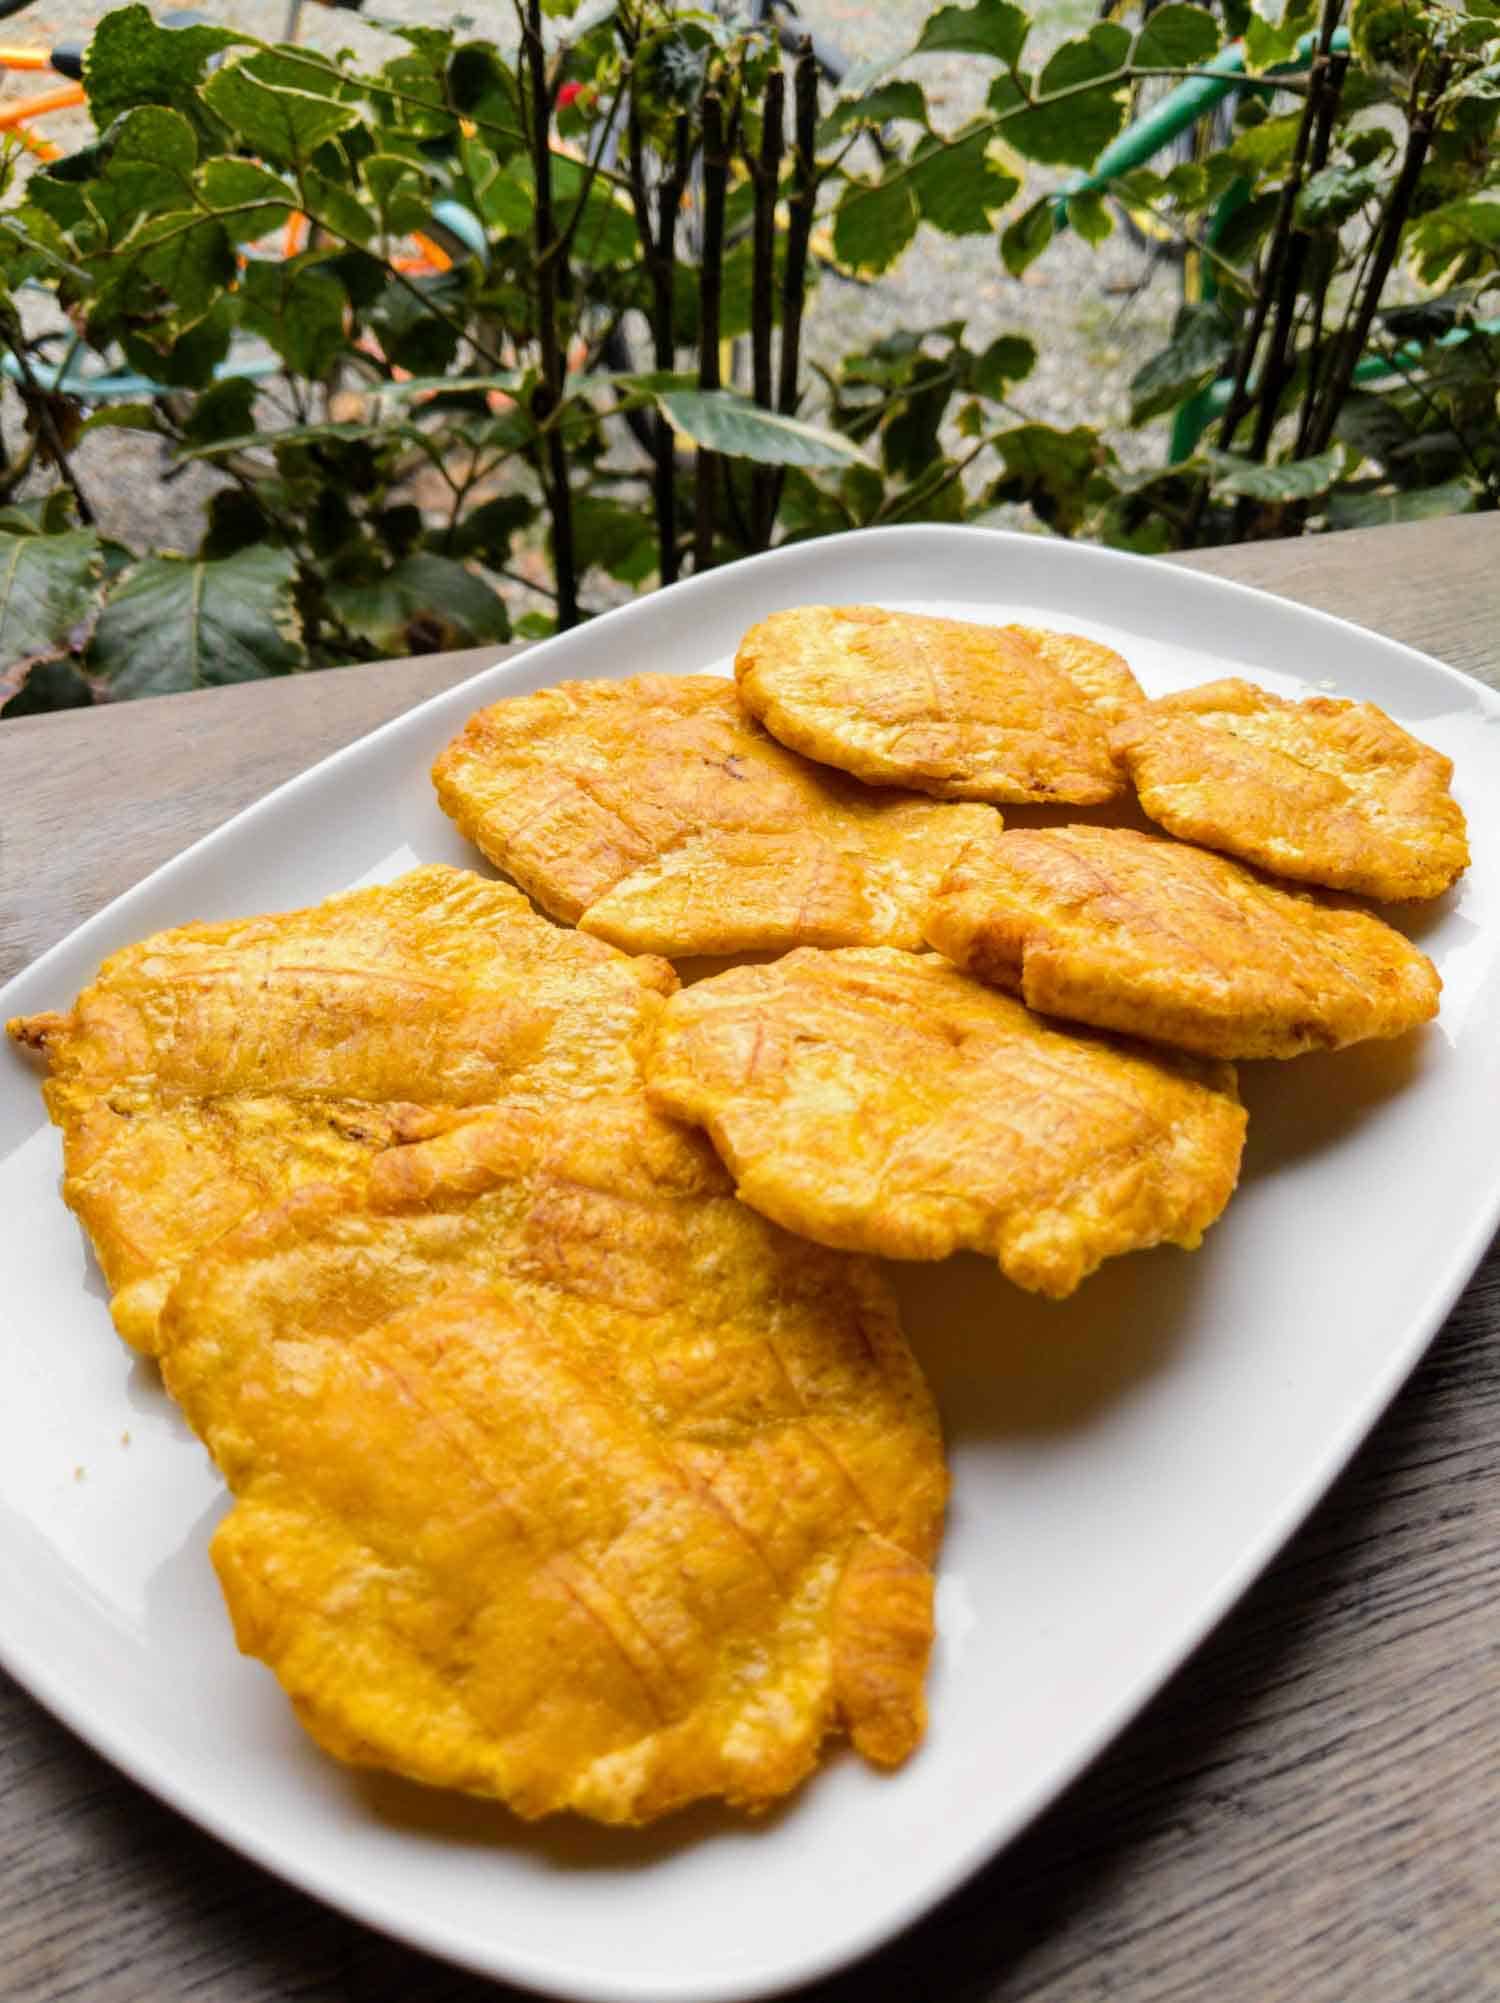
point(1387, 241)
point(710, 295)
point(550, 270)
point(766, 169)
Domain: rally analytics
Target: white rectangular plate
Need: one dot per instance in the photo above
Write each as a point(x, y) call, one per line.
point(1123, 1463)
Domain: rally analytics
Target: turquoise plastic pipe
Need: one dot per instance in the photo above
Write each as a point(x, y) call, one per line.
point(124, 386)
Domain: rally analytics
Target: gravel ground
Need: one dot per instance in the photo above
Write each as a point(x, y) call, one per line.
point(1094, 315)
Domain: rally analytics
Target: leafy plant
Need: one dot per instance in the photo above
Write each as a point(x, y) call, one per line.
point(533, 311)
point(1313, 398)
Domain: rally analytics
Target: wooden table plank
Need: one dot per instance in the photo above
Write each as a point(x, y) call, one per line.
point(1310, 1811)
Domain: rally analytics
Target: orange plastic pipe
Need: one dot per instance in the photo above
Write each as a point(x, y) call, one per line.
point(13, 115)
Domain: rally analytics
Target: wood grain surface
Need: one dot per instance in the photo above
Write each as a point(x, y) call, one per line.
point(1310, 1811)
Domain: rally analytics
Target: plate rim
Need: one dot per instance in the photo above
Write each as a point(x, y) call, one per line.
point(57, 1693)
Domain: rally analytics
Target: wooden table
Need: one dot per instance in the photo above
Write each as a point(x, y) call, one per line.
point(1311, 1810)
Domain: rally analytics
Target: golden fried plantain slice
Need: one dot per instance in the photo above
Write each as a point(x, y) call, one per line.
point(562, 1477)
point(1153, 937)
point(211, 1069)
point(1324, 791)
point(963, 711)
point(885, 1102)
point(655, 814)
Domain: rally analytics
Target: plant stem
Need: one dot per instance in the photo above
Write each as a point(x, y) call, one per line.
point(800, 210)
point(1326, 87)
point(564, 242)
point(1442, 420)
point(1271, 274)
point(550, 268)
point(710, 294)
point(40, 411)
point(1350, 344)
point(660, 245)
point(1231, 278)
point(1323, 101)
point(767, 173)
point(1314, 349)
point(927, 488)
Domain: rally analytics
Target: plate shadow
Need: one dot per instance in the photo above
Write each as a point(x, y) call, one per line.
point(1004, 1363)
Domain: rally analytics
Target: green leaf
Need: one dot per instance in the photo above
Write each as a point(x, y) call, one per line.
point(1391, 34)
point(1481, 86)
point(909, 439)
point(506, 205)
point(43, 515)
point(486, 532)
point(1416, 504)
point(298, 309)
point(399, 193)
point(1332, 196)
point(481, 86)
point(614, 537)
point(1200, 345)
point(337, 434)
point(957, 186)
point(188, 360)
point(1028, 236)
point(1074, 130)
point(144, 165)
point(225, 411)
point(1372, 142)
point(606, 232)
point(1268, 145)
point(507, 381)
point(249, 198)
point(42, 686)
point(333, 208)
point(988, 28)
point(49, 584)
point(421, 110)
point(1054, 472)
point(284, 122)
point(1010, 359)
point(1269, 42)
point(412, 335)
point(131, 61)
point(1293, 480)
point(885, 105)
point(177, 623)
point(719, 421)
point(1090, 216)
point(874, 222)
point(59, 198)
point(121, 417)
point(425, 604)
point(1456, 240)
point(1177, 37)
point(187, 257)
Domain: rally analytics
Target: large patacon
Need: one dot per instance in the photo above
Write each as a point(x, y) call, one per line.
point(563, 1477)
point(212, 1069)
point(952, 708)
point(1157, 938)
point(654, 813)
point(885, 1102)
point(1322, 790)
